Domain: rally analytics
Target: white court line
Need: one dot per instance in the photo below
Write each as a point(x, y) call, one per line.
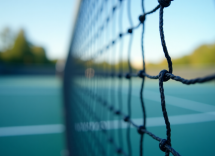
point(28, 92)
point(208, 114)
point(94, 126)
point(178, 102)
point(150, 122)
point(31, 130)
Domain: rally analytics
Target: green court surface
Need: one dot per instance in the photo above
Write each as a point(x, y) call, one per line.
point(31, 116)
point(191, 111)
point(31, 121)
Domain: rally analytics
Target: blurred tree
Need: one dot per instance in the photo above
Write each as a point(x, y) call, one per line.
point(202, 56)
point(22, 52)
point(39, 55)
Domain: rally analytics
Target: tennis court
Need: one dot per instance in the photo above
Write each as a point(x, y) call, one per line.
point(190, 110)
point(31, 117)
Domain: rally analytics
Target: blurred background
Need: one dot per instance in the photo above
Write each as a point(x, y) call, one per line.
point(34, 43)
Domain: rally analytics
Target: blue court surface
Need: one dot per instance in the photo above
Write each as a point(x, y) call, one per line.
point(31, 116)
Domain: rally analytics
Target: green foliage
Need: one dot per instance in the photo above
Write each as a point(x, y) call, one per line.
point(202, 56)
point(39, 55)
point(100, 66)
point(22, 52)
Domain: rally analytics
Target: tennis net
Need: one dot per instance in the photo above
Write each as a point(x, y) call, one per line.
point(96, 108)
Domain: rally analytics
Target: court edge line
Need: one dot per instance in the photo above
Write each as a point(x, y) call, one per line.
point(151, 122)
point(94, 126)
point(31, 130)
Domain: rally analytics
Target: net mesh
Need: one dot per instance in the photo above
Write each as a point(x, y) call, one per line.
point(97, 105)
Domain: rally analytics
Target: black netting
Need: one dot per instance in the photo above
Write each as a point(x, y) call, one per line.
point(95, 72)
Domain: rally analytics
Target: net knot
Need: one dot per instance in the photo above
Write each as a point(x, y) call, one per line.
point(110, 140)
point(164, 3)
point(120, 35)
point(114, 8)
point(117, 112)
point(162, 144)
point(126, 118)
point(142, 18)
point(119, 150)
point(128, 76)
point(130, 31)
point(111, 108)
point(113, 42)
point(141, 73)
point(163, 76)
point(141, 129)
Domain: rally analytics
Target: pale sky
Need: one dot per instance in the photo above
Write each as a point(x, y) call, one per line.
point(48, 23)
